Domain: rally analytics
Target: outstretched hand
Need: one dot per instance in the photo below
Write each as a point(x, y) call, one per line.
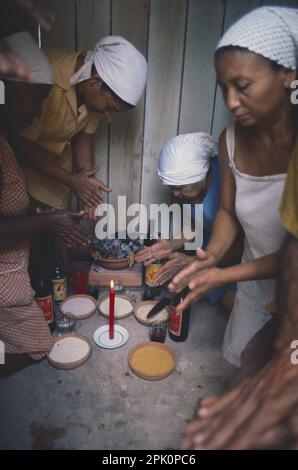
point(66, 226)
point(88, 188)
point(261, 413)
point(181, 280)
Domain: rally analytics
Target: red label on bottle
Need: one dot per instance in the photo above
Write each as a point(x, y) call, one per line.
point(175, 322)
point(46, 305)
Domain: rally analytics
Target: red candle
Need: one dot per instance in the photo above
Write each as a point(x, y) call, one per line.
point(112, 311)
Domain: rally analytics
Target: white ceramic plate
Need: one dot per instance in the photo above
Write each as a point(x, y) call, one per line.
point(101, 337)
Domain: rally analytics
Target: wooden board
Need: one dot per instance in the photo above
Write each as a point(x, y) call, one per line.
point(165, 56)
point(127, 277)
point(156, 347)
point(93, 23)
point(130, 20)
point(118, 315)
point(81, 316)
point(73, 364)
point(63, 32)
point(199, 77)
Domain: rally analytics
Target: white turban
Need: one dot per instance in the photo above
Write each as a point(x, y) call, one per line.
point(120, 65)
point(269, 31)
point(185, 159)
point(23, 45)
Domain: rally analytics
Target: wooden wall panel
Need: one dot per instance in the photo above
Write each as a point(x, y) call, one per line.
point(204, 27)
point(93, 23)
point(129, 19)
point(63, 32)
point(165, 56)
point(179, 37)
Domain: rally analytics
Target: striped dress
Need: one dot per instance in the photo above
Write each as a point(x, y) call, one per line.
point(23, 329)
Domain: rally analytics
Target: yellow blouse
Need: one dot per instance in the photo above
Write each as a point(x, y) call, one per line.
point(289, 204)
point(60, 121)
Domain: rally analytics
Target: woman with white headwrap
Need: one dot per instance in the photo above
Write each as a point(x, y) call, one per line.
point(256, 63)
point(188, 165)
point(260, 412)
point(88, 86)
point(23, 328)
point(57, 150)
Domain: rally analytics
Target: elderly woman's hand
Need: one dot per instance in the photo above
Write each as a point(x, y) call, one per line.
point(161, 249)
point(176, 263)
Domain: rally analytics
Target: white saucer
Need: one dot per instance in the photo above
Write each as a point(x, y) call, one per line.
point(101, 337)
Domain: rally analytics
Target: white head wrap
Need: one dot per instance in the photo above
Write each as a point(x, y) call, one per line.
point(269, 31)
point(120, 65)
point(185, 159)
point(23, 45)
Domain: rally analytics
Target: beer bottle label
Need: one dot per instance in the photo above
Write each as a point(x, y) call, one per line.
point(59, 289)
point(150, 272)
point(175, 322)
point(46, 305)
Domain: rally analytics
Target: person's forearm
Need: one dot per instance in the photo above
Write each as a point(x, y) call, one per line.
point(225, 229)
point(83, 151)
point(37, 158)
point(287, 287)
point(17, 229)
point(261, 268)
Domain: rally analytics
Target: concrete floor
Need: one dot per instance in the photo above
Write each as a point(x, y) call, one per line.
point(103, 405)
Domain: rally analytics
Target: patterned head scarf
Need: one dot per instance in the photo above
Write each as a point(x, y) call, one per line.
point(269, 31)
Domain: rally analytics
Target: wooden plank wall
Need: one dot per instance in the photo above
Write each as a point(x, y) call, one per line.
point(178, 37)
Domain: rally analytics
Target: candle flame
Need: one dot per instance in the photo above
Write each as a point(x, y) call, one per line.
point(112, 284)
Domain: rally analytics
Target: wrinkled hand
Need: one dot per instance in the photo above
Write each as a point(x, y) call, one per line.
point(261, 413)
point(37, 11)
point(177, 261)
point(161, 249)
point(88, 188)
point(66, 226)
point(11, 65)
point(204, 260)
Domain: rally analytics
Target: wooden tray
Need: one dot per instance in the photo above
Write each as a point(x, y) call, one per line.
point(71, 364)
point(150, 304)
point(118, 316)
point(78, 316)
point(157, 347)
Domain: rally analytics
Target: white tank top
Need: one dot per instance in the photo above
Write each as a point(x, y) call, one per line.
point(257, 208)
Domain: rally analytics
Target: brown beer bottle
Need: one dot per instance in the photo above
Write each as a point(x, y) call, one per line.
point(179, 323)
point(151, 291)
point(44, 299)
